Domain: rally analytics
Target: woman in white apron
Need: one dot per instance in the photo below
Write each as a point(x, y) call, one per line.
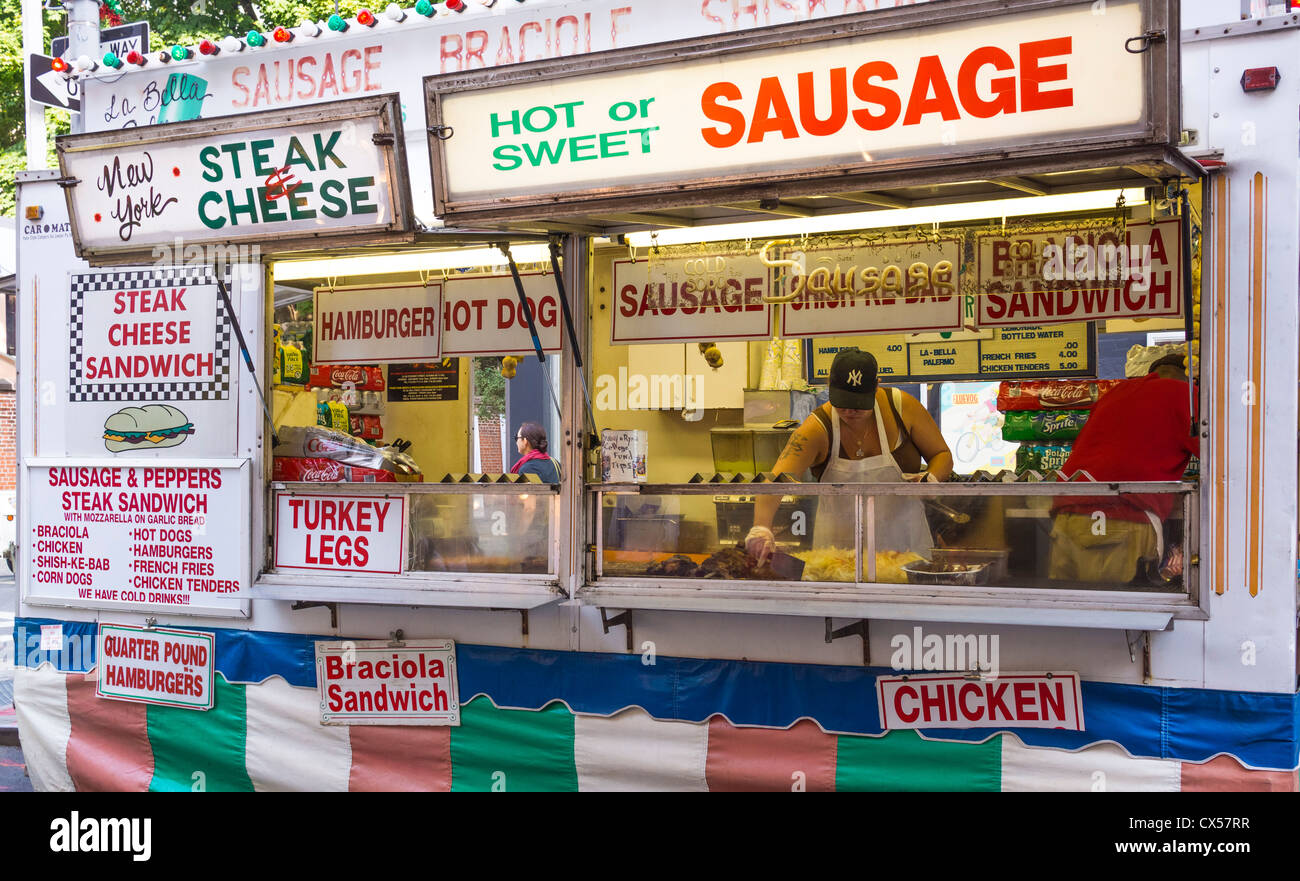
point(848, 443)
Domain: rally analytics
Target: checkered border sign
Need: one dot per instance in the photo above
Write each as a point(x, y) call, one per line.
point(216, 389)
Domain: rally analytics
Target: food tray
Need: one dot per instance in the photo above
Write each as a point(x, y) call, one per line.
point(996, 558)
point(948, 574)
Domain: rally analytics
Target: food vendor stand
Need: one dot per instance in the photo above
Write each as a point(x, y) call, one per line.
point(691, 210)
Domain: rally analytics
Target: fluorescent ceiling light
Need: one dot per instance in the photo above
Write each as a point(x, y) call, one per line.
point(955, 213)
point(407, 262)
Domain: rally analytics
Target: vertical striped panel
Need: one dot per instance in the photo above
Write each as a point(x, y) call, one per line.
point(400, 758)
point(287, 748)
point(202, 751)
point(1258, 310)
point(1101, 768)
point(108, 745)
point(768, 759)
point(513, 750)
point(633, 752)
point(1222, 207)
point(1225, 774)
point(901, 761)
point(41, 702)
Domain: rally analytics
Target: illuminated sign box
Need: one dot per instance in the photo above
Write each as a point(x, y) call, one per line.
point(966, 86)
point(286, 179)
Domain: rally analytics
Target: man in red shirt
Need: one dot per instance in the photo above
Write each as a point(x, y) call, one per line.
point(1138, 431)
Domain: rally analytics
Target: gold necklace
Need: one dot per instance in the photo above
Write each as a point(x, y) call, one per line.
point(861, 440)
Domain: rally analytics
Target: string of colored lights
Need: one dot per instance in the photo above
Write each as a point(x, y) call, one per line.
point(256, 39)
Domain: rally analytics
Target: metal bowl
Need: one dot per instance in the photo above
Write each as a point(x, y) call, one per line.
point(949, 574)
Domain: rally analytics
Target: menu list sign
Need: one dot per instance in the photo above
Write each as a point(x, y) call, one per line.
point(164, 538)
point(425, 381)
point(992, 353)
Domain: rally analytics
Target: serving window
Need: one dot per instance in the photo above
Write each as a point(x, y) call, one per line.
point(418, 446)
point(1003, 333)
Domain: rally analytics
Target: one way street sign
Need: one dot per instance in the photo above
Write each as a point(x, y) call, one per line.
point(119, 40)
point(48, 86)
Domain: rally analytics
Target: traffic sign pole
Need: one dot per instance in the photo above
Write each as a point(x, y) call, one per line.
point(33, 43)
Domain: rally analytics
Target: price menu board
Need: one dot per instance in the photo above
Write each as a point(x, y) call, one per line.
point(1028, 352)
point(171, 539)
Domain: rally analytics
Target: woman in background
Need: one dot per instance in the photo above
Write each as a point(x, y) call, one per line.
point(532, 525)
point(530, 440)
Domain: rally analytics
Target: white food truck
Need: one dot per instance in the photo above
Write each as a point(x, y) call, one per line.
point(268, 538)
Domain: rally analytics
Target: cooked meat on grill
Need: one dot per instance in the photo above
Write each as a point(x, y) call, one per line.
point(734, 563)
point(675, 566)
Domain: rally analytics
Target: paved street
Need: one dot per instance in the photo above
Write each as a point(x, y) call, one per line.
point(12, 770)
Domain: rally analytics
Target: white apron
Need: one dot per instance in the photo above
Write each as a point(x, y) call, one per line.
point(900, 520)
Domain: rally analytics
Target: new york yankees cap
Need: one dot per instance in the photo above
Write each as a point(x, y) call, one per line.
point(853, 380)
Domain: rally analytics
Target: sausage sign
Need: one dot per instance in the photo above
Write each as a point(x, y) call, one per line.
point(915, 92)
point(683, 294)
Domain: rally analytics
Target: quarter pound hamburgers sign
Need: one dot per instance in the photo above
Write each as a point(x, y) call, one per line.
point(906, 88)
point(296, 178)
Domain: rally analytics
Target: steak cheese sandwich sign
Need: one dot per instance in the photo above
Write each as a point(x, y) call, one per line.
point(150, 370)
point(288, 178)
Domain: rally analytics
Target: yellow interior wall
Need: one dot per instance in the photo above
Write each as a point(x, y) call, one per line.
point(678, 449)
point(439, 430)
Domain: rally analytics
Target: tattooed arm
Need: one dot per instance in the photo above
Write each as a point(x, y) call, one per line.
point(806, 447)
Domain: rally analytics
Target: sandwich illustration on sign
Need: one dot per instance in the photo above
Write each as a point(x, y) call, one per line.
point(146, 428)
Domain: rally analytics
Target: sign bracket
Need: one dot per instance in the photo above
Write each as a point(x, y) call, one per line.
point(861, 627)
point(593, 437)
point(623, 618)
point(527, 309)
point(333, 607)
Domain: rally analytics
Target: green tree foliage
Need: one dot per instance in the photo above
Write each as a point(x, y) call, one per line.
point(489, 389)
point(170, 22)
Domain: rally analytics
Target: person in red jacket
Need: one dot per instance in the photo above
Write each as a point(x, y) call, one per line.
point(1138, 431)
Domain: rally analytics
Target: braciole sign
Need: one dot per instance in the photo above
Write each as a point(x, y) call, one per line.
point(267, 179)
